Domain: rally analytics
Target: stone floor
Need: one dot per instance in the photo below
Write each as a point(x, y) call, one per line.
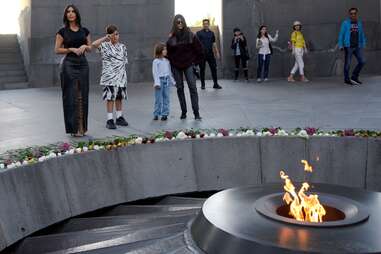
point(34, 116)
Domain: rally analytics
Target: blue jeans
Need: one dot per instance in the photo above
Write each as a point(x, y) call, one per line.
point(349, 52)
point(263, 66)
point(162, 98)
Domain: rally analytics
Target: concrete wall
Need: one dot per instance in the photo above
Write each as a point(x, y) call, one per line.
point(321, 21)
point(36, 196)
point(142, 23)
point(25, 32)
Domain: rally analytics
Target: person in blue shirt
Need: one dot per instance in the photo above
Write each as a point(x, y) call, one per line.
point(352, 40)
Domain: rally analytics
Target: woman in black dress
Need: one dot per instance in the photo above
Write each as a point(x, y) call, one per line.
point(73, 41)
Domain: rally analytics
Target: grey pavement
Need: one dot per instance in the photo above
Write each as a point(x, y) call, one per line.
point(34, 116)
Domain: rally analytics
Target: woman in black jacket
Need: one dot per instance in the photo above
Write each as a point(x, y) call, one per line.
point(184, 51)
point(241, 56)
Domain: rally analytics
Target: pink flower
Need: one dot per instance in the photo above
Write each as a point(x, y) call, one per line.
point(273, 131)
point(168, 135)
point(224, 132)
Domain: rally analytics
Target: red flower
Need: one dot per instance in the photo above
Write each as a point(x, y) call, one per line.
point(349, 133)
point(168, 135)
point(273, 131)
point(202, 135)
point(310, 131)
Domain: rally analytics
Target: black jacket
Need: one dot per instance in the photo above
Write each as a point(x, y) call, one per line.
point(242, 47)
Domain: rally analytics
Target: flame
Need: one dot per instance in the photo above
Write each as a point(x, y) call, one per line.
point(303, 207)
point(307, 166)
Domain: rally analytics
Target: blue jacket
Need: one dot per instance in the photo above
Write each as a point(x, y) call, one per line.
point(345, 34)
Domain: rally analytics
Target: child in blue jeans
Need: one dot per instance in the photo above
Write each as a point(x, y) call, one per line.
point(163, 79)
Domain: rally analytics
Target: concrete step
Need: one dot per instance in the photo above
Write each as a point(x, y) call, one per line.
point(17, 85)
point(16, 59)
point(12, 73)
point(155, 209)
point(13, 79)
point(165, 245)
point(14, 49)
point(81, 224)
point(173, 200)
point(13, 67)
point(86, 241)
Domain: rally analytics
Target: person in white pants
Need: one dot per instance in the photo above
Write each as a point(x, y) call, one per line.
point(299, 48)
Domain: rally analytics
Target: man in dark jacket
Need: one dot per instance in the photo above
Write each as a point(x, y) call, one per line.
point(208, 41)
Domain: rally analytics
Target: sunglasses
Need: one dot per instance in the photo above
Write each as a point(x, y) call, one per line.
point(179, 22)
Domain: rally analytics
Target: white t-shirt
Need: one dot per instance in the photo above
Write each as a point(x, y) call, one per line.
point(264, 44)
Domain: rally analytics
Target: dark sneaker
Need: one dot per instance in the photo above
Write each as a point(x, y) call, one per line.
point(121, 121)
point(197, 117)
point(164, 118)
point(110, 124)
point(348, 82)
point(217, 86)
point(183, 116)
point(356, 81)
point(156, 118)
point(203, 86)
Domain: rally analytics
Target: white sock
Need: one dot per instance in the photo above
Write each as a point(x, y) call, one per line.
point(119, 114)
point(110, 116)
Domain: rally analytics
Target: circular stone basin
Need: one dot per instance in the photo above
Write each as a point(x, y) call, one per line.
point(341, 211)
point(254, 220)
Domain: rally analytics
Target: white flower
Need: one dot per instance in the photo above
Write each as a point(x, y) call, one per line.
point(18, 164)
point(231, 134)
point(303, 133)
point(78, 150)
point(42, 158)
point(12, 165)
point(212, 135)
point(239, 134)
point(96, 147)
point(206, 135)
point(2, 166)
point(59, 154)
point(85, 149)
point(259, 134)
point(220, 135)
point(282, 133)
point(101, 147)
point(181, 135)
point(25, 163)
point(52, 155)
point(198, 136)
point(71, 151)
point(267, 134)
point(250, 133)
point(139, 140)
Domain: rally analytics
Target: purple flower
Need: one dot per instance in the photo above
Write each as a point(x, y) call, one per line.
point(310, 131)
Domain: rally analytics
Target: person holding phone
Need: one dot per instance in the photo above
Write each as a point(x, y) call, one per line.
point(265, 50)
point(240, 53)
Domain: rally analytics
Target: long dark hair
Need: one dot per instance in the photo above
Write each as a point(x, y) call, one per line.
point(260, 34)
point(76, 11)
point(182, 36)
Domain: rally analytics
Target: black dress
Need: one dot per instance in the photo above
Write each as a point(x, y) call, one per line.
point(75, 82)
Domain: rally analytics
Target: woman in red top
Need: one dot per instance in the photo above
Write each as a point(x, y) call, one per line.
point(184, 52)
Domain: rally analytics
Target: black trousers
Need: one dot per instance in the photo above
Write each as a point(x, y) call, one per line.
point(191, 80)
point(75, 93)
point(241, 60)
point(211, 60)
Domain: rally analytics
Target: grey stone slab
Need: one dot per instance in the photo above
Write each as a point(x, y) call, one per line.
point(226, 163)
point(157, 169)
point(373, 172)
point(282, 153)
point(31, 198)
point(93, 180)
point(339, 161)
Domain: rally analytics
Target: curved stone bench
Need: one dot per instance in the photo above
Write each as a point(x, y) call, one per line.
point(37, 196)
